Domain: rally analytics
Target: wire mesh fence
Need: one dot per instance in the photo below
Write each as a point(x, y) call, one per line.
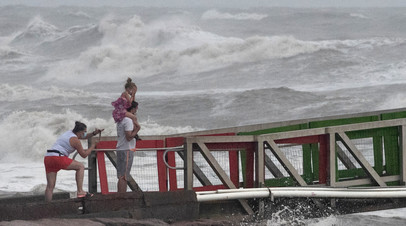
point(294, 154)
point(144, 170)
point(364, 146)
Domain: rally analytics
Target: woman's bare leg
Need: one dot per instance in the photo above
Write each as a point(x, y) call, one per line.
point(51, 180)
point(80, 171)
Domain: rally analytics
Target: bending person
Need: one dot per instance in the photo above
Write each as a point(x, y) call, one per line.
point(56, 158)
point(127, 130)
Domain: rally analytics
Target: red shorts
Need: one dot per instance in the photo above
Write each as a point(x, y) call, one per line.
point(56, 163)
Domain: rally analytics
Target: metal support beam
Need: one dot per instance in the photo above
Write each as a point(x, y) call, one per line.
point(361, 160)
point(284, 161)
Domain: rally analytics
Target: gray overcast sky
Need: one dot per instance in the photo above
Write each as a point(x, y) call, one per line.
point(213, 3)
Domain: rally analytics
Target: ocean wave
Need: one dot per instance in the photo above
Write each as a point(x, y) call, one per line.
point(70, 42)
point(80, 14)
point(169, 47)
point(369, 43)
point(359, 15)
point(176, 45)
point(36, 131)
point(13, 93)
point(45, 38)
point(215, 14)
point(36, 31)
point(7, 53)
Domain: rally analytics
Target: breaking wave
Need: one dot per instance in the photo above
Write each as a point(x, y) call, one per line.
point(215, 14)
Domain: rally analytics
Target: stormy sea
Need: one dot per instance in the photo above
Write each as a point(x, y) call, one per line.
point(196, 69)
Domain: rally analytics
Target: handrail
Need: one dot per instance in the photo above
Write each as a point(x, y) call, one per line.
point(135, 149)
point(167, 164)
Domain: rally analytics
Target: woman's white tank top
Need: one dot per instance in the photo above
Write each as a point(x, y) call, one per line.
point(62, 145)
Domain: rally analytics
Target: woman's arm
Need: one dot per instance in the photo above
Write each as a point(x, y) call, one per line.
point(75, 143)
point(128, 97)
point(94, 133)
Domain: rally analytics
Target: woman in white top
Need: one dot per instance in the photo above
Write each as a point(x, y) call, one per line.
point(56, 158)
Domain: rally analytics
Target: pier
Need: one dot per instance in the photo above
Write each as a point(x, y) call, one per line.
point(344, 164)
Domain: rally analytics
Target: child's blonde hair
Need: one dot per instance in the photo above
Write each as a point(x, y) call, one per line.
point(130, 84)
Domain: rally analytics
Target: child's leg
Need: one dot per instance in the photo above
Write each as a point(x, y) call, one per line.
point(134, 118)
point(129, 115)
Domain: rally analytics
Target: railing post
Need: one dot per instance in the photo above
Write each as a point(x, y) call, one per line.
point(188, 164)
point(260, 164)
point(323, 159)
point(332, 159)
point(92, 170)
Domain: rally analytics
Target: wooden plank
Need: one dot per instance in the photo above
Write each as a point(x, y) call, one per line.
point(234, 167)
point(378, 154)
point(188, 165)
point(173, 182)
point(221, 174)
point(198, 172)
point(162, 173)
point(367, 125)
point(307, 163)
point(315, 160)
point(403, 152)
point(222, 139)
point(294, 134)
point(323, 159)
point(365, 181)
point(344, 158)
point(284, 161)
point(104, 185)
point(215, 166)
point(392, 155)
point(272, 167)
point(332, 160)
point(360, 159)
point(92, 173)
point(260, 166)
point(249, 173)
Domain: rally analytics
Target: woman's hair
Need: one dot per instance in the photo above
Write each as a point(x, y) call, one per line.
point(79, 127)
point(129, 84)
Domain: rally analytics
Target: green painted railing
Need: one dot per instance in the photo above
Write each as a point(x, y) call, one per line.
point(386, 150)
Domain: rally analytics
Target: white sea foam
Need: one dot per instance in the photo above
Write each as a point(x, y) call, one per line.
point(216, 14)
point(130, 49)
point(37, 31)
point(11, 93)
point(177, 46)
point(34, 132)
point(80, 14)
point(224, 53)
point(7, 52)
point(359, 15)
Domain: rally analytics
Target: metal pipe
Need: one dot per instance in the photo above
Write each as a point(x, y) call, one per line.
point(304, 189)
point(140, 149)
point(166, 163)
point(302, 192)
